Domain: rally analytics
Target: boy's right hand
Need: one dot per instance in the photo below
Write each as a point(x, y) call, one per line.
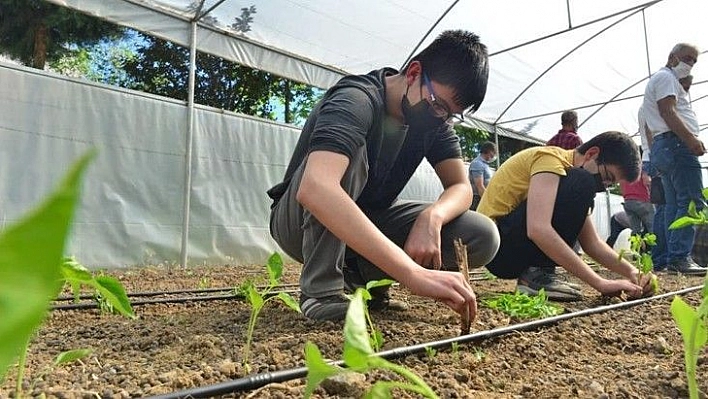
point(450, 288)
point(619, 287)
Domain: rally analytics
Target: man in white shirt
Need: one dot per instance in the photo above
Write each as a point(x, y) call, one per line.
point(674, 152)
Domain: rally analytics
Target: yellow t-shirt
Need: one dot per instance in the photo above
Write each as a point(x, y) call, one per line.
point(510, 184)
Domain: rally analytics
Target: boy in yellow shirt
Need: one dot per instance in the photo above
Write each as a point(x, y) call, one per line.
point(541, 199)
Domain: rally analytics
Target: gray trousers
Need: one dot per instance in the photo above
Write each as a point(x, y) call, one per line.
point(305, 239)
point(641, 216)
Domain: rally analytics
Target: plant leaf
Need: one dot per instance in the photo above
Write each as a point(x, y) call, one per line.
point(275, 269)
point(289, 301)
point(253, 296)
point(112, 291)
point(30, 254)
point(317, 369)
point(380, 390)
point(72, 355)
point(682, 222)
point(379, 283)
point(692, 212)
point(686, 317)
point(357, 347)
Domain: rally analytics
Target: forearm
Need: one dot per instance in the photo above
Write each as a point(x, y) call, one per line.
point(675, 123)
point(607, 257)
point(454, 200)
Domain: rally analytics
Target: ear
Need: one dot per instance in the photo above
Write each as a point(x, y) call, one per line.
point(592, 153)
point(414, 71)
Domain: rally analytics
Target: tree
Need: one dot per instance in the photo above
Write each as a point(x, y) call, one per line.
point(162, 68)
point(34, 31)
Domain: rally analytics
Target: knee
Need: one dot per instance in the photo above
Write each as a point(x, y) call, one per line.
point(481, 236)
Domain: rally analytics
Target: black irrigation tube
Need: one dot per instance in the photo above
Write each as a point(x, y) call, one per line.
point(94, 305)
point(255, 381)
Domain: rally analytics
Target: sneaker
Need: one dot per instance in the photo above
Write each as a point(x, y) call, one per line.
point(329, 308)
point(686, 266)
point(381, 300)
point(660, 269)
point(536, 278)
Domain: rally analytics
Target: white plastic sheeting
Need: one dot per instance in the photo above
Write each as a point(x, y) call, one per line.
point(550, 54)
point(131, 209)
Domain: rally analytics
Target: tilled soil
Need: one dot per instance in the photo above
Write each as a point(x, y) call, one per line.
point(636, 352)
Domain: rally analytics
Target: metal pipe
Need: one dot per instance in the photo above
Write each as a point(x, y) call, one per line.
point(258, 380)
point(187, 192)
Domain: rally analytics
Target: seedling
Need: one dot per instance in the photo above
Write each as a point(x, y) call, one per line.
point(67, 357)
point(109, 292)
point(204, 283)
point(455, 348)
point(641, 258)
point(359, 357)
point(430, 352)
point(523, 306)
point(479, 354)
point(693, 324)
point(375, 336)
point(257, 299)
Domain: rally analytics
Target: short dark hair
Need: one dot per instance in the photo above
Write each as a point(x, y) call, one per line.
point(569, 117)
point(486, 147)
point(616, 148)
point(458, 59)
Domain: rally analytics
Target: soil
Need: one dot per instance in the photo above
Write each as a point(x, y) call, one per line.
point(636, 352)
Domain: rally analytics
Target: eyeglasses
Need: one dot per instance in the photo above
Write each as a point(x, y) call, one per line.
point(437, 108)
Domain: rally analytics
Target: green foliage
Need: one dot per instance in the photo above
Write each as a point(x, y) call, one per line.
point(359, 356)
point(375, 336)
point(430, 352)
point(257, 299)
point(470, 138)
point(693, 325)
point(30, 257)
point(36, 31)
point(694, 217)
point(640, 256)
point(109, 292)
point(162, 68)
point(523, 306)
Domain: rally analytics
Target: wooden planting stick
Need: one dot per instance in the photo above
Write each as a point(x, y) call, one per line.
point(461, 255)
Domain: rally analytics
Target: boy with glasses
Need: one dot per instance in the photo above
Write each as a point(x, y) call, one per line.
point(541, 199)
point(336, 210)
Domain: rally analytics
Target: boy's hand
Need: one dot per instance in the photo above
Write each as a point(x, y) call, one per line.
point(450, 288)
point(620, 287)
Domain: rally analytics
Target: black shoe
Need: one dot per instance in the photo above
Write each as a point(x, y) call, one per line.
point(383, 301)
point(660, 269)
point(380, 298)
point(329, 308)
point(536, 278)
point(686, 266)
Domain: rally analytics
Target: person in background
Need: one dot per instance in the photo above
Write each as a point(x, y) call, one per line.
point(480, 172)
point(618, 222)
point(656, 188)
point(637, 205)
point(674, 152)
point(567, 138)
point(336, 210)
point(541, 200)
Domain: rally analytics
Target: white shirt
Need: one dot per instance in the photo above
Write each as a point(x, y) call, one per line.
point(661, 85)
point(643, 135)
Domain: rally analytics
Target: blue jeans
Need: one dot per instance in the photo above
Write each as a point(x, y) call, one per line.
point(682, 181)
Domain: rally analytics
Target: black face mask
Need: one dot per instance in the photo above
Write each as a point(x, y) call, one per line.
point(420, 117)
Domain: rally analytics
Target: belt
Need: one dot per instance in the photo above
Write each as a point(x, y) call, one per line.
point(665, 135)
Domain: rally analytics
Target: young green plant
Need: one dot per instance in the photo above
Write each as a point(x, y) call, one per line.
point(32, 271)
point(693, 323)
point(375, 336)
point(257, 299)
point(359, 357)
point(641, 258)
point(523, 306)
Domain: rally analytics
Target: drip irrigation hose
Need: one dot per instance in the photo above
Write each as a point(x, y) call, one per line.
point(255, 381)
point(95, 305)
